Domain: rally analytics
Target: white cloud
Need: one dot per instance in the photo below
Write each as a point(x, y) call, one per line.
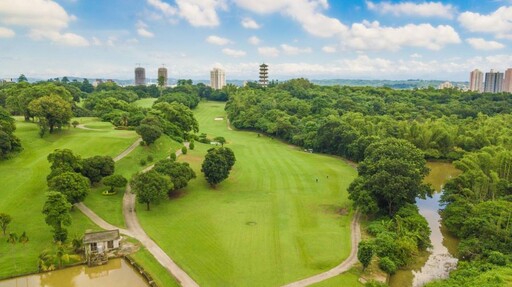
point(68, 39)
point(329, 49)
point(307, 12)
point(199, 13)
point(292, 50)
point(425, 9)
point(6, 33)
point(416, 56)
point(216, 40)
point(254, 40)
point(165, 8)
point(45, 19)
point(249, 23)
point(268, 51)
point(372, 36)
point(481, 44)
point(233, 53)
point(142, 30)
point(498, 23)
point(96, 42)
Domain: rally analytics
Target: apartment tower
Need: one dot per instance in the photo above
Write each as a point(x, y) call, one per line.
point(507, 84)
point(263, 75)
point(493, 82)
point(217, 79)
point(140, 76)
point(476, 81)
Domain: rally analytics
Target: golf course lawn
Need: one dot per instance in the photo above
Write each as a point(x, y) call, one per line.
point(110, 208)
point(23, 188)
point(349, 278)
point(269, 224)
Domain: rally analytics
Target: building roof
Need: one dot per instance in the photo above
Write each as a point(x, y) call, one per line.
point(101, 236)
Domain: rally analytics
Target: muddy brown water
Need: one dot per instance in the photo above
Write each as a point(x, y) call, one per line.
point(441, 258)
point(117, 273)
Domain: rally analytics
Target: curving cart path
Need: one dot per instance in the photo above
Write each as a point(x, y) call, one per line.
point(135, 230)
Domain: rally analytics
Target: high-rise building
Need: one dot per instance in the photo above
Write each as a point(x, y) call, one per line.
point(217, 79)
point(140, 76)
point(162, 73)
point(446, 85)
point(507, 84)
point(263, 75)
point(476, 81)
point(493, 82)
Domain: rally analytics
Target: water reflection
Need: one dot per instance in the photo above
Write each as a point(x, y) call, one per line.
point(440, 260)
point(116, 273)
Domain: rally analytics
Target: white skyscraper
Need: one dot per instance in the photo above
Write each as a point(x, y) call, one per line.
point(476, 81)
point(507, 83)
point(217, 79)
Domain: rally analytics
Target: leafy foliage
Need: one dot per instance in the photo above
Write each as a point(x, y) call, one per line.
point(150, 187)
point(114, 181)
point(73, 185)
point(97, 167)
point(217, 164)
point(9, 143)
point(179, 173)
point(56, 208)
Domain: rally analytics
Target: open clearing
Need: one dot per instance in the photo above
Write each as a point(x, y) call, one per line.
point(269, 224)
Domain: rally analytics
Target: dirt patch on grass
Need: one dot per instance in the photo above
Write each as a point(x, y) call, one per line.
point(334, 209)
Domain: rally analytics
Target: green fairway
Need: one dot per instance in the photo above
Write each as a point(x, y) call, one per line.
point(23, 188)
point(145, 103)
point(269, 224)
point(349, 278)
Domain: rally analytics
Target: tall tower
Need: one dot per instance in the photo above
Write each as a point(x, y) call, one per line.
point(162, 73)
point(493, 82)
point(217, 79)
point(507, 84)
point(263, 75)
point(140, 76)
point(476, 81)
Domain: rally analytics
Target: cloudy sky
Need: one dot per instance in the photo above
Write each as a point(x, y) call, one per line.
point(317, 39)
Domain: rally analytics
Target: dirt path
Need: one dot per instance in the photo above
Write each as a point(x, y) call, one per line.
point(83, 127)
point(136, 231)
point(344, 266)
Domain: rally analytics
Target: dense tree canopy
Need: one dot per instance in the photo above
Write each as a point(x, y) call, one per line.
point(179, 173)
point(52, 111)
point(217, 164)
point(56, 208)
point(390, 176)
point(97, 167)
point(9, 143)
point(150, 187)
point(73, 185)
point(63, 160)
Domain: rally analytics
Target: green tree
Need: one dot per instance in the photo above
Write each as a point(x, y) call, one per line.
point(22, 78)
point(161, 81)
point(5, 219)
point(365, 253)
point(71, 184)
point(184, 150)
point(63, 160)
point(220, 140)
point(113, 181)
point(97, 167)
point(149, 133)
point(179, 173)
point(56, 208)
point(387, 265)
point(217, 165)
point(390, 176)
point(23, 238)
point(9, 143)
point(150, 187)
point(54, 109)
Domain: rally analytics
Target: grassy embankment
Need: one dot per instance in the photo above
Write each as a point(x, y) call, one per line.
point(269, 224)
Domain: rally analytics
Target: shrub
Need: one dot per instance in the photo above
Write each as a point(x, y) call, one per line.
point(142, 162)
point(497, 258)
point(387, 265)
point(191, 146)
point(184, 150)
point(150, 158)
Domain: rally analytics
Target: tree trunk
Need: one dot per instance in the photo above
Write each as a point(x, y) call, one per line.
point(147, 206)
point(51, 128)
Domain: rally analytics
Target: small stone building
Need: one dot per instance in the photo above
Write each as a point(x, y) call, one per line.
point(98, 244)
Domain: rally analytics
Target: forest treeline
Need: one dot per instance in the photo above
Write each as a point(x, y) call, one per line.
point(372, 125)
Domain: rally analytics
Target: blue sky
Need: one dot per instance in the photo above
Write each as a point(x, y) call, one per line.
point(316, 39)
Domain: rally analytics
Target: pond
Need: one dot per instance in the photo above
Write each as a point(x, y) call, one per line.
point(116, 273)
point(440, 259)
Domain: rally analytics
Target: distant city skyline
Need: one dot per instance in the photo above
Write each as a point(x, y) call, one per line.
point(315, 39)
